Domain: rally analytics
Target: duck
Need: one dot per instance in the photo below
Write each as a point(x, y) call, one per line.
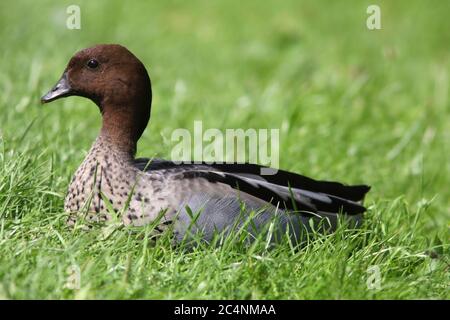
point(188, 198)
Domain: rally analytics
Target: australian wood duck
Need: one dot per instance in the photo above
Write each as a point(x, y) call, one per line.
point(196, 197)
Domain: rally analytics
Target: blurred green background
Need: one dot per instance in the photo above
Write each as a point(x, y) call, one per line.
point(352, 104)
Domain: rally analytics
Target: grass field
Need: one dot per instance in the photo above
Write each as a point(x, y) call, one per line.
point(352, 105)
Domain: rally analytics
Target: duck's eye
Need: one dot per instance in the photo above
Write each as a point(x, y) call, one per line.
point(92, 63)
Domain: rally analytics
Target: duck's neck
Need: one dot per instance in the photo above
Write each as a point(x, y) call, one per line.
point(122, 127)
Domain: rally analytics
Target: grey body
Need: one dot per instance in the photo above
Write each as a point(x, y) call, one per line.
point(143, 190)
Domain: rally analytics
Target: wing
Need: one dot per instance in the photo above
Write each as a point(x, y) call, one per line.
point(295, 192)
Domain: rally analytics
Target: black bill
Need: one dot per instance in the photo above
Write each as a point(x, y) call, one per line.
point(60, 90)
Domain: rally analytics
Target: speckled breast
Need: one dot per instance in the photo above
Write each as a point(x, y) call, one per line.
point(106, 183)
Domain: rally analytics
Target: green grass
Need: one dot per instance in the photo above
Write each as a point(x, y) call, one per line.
point(353, 105)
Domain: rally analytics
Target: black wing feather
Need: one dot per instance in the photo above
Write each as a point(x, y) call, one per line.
point(295, 191)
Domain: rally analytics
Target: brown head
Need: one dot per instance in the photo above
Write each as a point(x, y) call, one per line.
point(113, 78)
